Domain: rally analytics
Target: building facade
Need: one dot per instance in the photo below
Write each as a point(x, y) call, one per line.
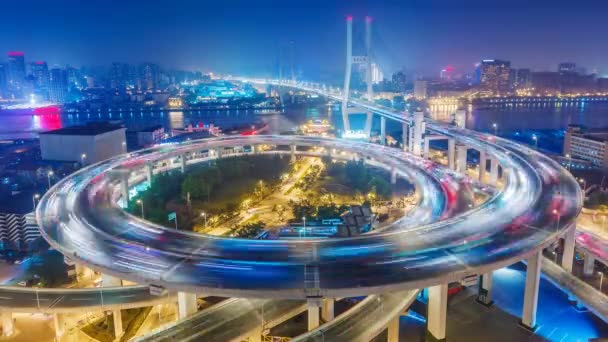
point(85, 144)
point(587, 144)
point(58, 88)
point(494, 75)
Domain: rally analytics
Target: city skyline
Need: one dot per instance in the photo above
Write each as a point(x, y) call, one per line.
point(422, 38)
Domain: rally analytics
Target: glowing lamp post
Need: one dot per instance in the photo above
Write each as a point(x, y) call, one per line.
point(141, 204)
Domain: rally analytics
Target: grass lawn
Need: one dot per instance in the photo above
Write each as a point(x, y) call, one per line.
point(233, 191)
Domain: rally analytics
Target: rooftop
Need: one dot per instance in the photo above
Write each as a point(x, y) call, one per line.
point(94, 128)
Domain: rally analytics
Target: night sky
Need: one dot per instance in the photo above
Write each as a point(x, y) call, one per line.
point(244, 37)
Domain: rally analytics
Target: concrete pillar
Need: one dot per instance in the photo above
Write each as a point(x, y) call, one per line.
point(368, 124)
point(59, 324)
point(484, 295)
point(313, 305)
point(256, 336)
point(327, 313)
point(218, 153)
point(568, 256)
point(493, 172)
point(393, 330)
point(425, 151)
point(117, 317)
point(460, 118)
point(437, 311)
point(451, 154)
point(382, 130)
point(186, 304)
point(528, 318)
point(7, 324)
point(589, 265)
point(410, 139)
point(110, 281)
point(461, 158)
point(183, 162)
point(253, 149)
point(404, 136)
point(149, 173)
point(293, 153)
point(393, 176)
point(482, 165)
point(418, 131)
point(124, 188)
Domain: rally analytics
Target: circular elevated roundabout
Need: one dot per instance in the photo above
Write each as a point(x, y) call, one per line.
point(445, 238)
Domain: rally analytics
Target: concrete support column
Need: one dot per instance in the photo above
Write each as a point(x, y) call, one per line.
point(393, 330)
point(460, 118)
point(327, 312)
point(253, 149)
point(589, 265)
point(493, 171)
point(313, 305)
point(7, 324)
point(110, 281)
point(59, 324)
point(218, 153)
point(149, 173)
point(183, 162)
point(528, 318)
point(425, 150)
point(256, 336)
point(404, 136)
point(393, 176)
point(124, 189)
point(186, 304)
point(418, 131)
point(568, 256)
point(293, 152)
point(117, 317)
point(368, 124)
point(451, 154)
point(482, 165)
point(461, 158)
point(382, 130)
point(410, 139)
point(437, 311)
point(484, 295)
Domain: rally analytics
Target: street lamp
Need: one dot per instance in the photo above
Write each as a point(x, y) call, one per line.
point(304, 219)
point(141, 204)
point(569, 161)
point(204, 214)
point(584, 182)
point(535, 138)
point(83, 157)
point(48, 177)
point(34, 199)
point(557, 213)
point(495, 128)
point(601, 279)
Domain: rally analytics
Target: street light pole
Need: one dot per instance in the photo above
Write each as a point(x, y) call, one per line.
point(304, 219)
point(204, 215)
point(495, 128)
point(34, 199)
point(601, 280)
point(535, 141)
point(48, 177)
point(141, 204)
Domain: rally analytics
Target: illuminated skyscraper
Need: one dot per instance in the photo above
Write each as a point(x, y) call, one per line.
point(494, 75)
point(377, 75)
point(3, 80)
point(40, 71)
point(149, 76)
point(16, 69)
point(58, 90)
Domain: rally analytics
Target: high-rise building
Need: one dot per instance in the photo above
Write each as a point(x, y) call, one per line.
point(377, 75)
point(3, 80)
point(119, 75)
point(420, 89)
point(40, 72)
point(494, 75)
point(16, 69)
point(58, 85)
point(566, 67)
point(149, 76)
point(523, 78)
point(399, 81)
